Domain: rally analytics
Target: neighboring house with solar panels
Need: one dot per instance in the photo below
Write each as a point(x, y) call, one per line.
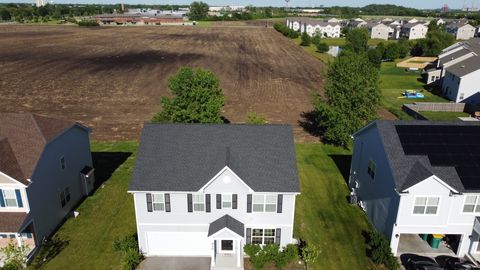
point(204, 190)
point(420, 180)
point(45, 170)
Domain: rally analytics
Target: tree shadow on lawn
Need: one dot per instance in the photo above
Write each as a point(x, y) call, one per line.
point(310, 124)
point(105, 163)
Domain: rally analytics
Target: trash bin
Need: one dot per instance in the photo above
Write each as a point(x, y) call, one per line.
point(424, 236)
point(435, 241)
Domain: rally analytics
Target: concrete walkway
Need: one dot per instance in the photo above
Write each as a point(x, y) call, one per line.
point(177, 263)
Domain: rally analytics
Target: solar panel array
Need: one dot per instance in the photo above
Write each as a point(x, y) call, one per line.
point(446, 146)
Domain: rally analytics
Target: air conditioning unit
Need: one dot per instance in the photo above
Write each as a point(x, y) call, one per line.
point(353, 198)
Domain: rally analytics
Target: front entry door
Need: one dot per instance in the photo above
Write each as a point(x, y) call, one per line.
point(226, 246)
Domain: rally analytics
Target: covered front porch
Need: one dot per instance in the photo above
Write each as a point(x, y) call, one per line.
point(15, 230)
point(227, 234)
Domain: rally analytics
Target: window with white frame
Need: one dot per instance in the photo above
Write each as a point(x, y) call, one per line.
point(472, 204)
point(10, 198)
point(264, 203)
point(372, 167)
point(226, 200)
point(426, 205)
point(158, 202)
point(263, 236)
point(198, 202)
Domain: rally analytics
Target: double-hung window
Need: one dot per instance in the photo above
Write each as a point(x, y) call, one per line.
point(472, 204)
point(198, 202)
point(65, 196)
point(10, 198)
point(263, 236)
point(426, 205)
point(264, 203)
point(226, 200)
point(158, 202)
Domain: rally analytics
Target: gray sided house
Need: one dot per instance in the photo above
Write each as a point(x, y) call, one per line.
point(420, 179)
point(45, 170)
point(207, 190)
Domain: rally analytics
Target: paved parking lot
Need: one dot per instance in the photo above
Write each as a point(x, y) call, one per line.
point(177, 263)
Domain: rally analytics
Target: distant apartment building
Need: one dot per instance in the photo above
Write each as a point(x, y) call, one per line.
point(378, 30)
point(412, 31)
point(315, 27)
point(461, 30)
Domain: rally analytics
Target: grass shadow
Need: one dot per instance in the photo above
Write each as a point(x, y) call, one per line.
point(49, 249)
point(105, 163)
point(343, 165)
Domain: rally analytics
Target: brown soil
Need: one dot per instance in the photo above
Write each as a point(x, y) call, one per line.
point(112, 79)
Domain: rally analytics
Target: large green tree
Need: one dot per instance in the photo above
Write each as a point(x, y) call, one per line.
point(198, 98)
point(357, 40)
point(198, 11)
point(352, 96)
point(433, 44)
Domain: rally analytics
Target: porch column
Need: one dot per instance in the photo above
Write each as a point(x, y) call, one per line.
point(19, 240)
point(239, 252)
point(213, 253)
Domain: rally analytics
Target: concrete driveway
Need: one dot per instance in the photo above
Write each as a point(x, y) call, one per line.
point(175, 263)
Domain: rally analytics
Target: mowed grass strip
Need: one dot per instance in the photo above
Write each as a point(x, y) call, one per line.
point(443, 116)
point(323, 216)
point(105, 216)
point(394, 81)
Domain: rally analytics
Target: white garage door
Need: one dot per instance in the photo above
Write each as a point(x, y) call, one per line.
point(178, 244)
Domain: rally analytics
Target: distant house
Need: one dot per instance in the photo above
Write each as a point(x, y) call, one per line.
point(140, 19)
point(413, 31)
point(420, 179)
point(378, 30)
point(461, 82)
point(45, 170)
point(321, 28)
point(357, 23)
point(207, 190)
point(461, 30)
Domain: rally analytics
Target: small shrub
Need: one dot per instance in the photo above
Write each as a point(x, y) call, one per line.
point(259, 256)
point(14, 256)
point(316, 39)
point(322, 47)
point(306, 40)
point(132, 258)
point(310, 254)
point(251, 250)
point(255, 119)
point(285, 30)
point(378, 249)
point(126, 243)
point(88, 23)
point(128, 246)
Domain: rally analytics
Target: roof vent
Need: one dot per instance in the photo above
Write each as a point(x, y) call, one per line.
point(462, 66)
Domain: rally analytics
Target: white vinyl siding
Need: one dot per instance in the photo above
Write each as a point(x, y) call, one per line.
point(264, 203)
point(426, 205)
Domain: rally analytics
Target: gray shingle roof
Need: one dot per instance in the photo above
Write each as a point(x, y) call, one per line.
point(410, 170)
point(460, 53)
point(184, 157)
point(465, 67)
point(227, 222)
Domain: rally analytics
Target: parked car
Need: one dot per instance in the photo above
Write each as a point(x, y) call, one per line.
point(457, 264)
point(422, 264)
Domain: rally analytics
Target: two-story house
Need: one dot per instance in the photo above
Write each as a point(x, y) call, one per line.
point(415, 30)
point(45, 170)
point(419, 179)
point(204, 190)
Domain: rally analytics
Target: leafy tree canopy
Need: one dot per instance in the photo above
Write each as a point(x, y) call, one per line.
point(352, 97)
point(198, 98)
point(357, 40)
point(198, 11)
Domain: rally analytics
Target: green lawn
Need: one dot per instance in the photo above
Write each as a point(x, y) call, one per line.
point(443, 116)
point(394, 81)
point(104, 217)
point(341, 41)
point(323, 216)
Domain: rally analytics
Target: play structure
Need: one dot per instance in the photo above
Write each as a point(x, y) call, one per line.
point(411, 94)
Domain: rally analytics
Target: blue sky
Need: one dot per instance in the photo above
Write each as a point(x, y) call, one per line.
point(410, 3)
